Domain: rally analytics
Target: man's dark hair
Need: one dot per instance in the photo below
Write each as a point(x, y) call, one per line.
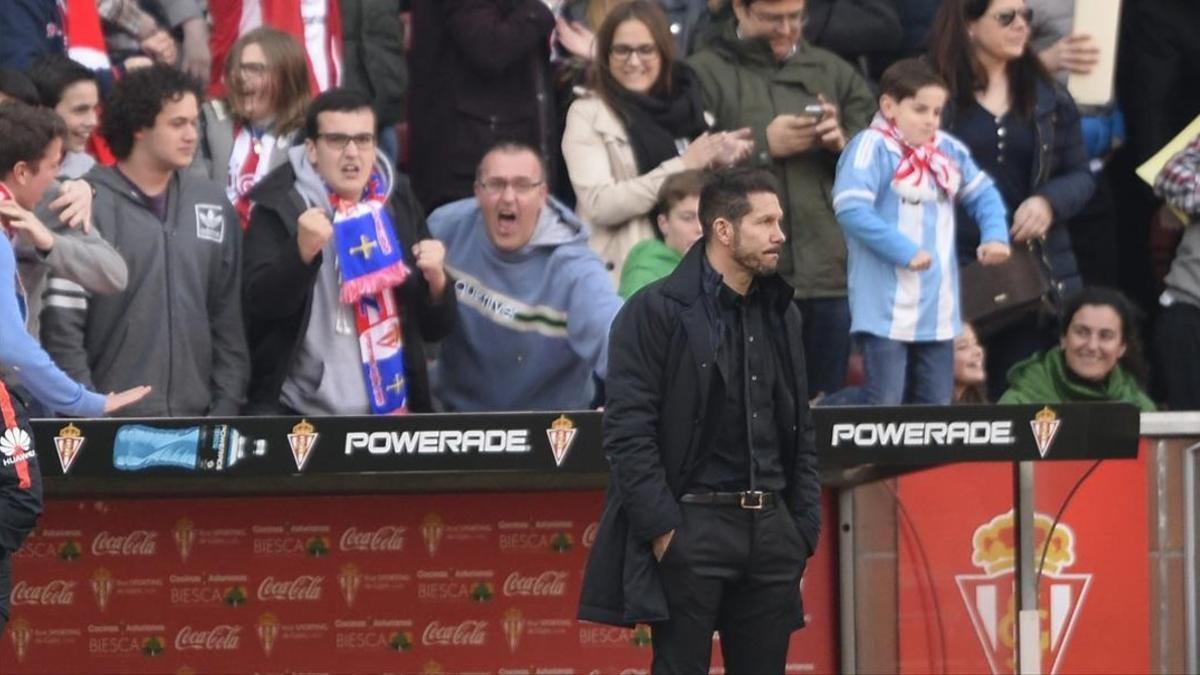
point(727, 195)
point(53, 73)
point(676, 188)
point(16, 85)
point(508, 147)
point(138, 98)
point(25, 133)
point(904, 78)
point(338, 99)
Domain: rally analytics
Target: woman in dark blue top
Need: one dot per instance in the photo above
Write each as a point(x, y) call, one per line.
point(1023, 129)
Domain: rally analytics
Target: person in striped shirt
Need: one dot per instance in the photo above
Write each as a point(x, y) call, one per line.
point(897, 186)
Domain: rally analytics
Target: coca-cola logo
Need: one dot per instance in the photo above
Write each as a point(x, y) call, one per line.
point(138, 542)
point(469, 632)
point(56, 592)
point(304, 587)
point(386, 538)
point(222, 638)
point(550, 583)
point(589, 534)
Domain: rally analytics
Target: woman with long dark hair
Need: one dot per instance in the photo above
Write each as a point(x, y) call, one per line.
point(1023, 129)
point(642, 121)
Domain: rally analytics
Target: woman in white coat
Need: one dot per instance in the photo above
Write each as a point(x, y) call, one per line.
point(642, 120)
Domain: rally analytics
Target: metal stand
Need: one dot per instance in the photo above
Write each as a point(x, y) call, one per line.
point(1029, 643)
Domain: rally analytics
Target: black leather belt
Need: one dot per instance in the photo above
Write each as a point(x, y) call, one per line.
point(754, 500)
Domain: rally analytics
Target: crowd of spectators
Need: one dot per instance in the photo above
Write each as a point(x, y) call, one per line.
point(383, 206)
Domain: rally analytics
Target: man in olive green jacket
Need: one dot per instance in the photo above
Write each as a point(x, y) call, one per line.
point(758, 72)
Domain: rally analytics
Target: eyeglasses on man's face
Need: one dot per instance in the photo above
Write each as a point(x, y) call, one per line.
point(776, 20)
point(341, 141)
point(497, 186)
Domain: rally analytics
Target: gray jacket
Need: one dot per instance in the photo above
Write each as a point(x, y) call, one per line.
point(82, 261)
point(178, 324)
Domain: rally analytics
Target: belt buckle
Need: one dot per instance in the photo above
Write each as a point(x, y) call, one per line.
point(752, 500)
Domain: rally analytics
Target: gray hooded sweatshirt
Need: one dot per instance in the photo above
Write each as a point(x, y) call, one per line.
point(177, 326)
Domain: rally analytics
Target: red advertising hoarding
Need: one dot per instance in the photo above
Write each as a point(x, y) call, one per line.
point(346, 584)
point(957, 559)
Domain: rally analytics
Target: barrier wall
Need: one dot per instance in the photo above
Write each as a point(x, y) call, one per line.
point(317, 575)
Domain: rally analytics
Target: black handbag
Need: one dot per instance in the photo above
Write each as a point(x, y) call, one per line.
point(997, 296)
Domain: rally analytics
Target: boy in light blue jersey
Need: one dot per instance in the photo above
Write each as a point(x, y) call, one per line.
point(895, 194)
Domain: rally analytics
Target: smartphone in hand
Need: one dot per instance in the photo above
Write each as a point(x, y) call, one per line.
point(815, 111)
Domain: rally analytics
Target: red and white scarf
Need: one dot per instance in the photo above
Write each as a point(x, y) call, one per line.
point(925, 173)
point(247, 166)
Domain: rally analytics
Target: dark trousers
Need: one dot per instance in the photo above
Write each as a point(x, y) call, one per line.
point(1177, 352)
point(826, 336)
point(737, 572)
point(20, 496)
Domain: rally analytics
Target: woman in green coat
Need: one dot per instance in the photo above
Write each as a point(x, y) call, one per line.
point(1098, 357)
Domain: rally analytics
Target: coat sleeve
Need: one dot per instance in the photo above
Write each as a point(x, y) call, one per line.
point(855, 27)
point(1072, 185)
point(385, 62)
point(19, 351)
point(82, 257)
point(639, 344)
point(64, 322)
point(593, 305)
point(272, 270)
point(230, 355)
point(24, 39)
point(492, 39)
point(1179, 181)
point(602, 200)
point(856, 104)
point(855, 191)
point(805, 480)
point(706, 63)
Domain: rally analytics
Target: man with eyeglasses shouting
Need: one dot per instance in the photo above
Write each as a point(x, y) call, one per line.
point(535, 303)
point(343, 283)
point(802, 104)
point(177, 326)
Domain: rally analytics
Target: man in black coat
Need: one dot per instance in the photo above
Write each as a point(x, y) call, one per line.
point(342, 282)
point(480, 74)
point(714, 504)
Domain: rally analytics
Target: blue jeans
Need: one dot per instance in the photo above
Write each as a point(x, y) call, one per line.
point(826, 342)
point(920, 373)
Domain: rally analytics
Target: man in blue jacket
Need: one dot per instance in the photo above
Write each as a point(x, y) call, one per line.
point(713, 508)
point(534, 302)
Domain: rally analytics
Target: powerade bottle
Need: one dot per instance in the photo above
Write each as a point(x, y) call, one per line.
point(209, 447)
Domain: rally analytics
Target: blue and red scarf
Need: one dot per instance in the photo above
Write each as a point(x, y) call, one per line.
point(371, 260)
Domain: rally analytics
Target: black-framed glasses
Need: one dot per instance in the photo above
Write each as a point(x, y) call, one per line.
point(340, 141)
point(626, 52)
point(521, 186)
point(1007, 17)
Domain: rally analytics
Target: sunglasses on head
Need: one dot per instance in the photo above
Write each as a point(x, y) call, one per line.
point(1007, 17)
